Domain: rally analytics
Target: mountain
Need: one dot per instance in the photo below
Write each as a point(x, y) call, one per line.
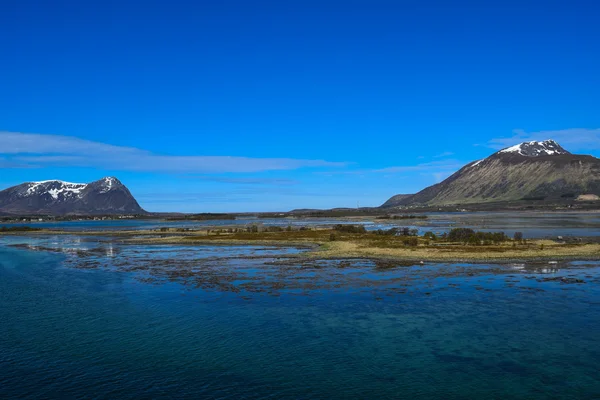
point(106, 196)
point(395, 200)
point(527, 171)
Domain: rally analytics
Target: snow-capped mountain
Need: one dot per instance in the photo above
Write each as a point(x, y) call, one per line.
point(536, 149)
point(106, 196)
point(529, 170)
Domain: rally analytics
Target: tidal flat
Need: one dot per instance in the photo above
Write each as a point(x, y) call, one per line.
point(580, 230)
point(275, 269)
point(90, 314)
point(205, 313)
point(354, 241)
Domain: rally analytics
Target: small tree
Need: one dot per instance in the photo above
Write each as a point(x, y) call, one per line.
point(460, 234)
point(392, 231)
point(473, 240)
point(430, 235)
point(518, 236)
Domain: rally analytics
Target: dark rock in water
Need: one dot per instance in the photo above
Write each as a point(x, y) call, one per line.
point(103, 197)
point(562, 279)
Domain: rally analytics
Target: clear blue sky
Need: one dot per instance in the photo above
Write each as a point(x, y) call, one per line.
point(251, 105)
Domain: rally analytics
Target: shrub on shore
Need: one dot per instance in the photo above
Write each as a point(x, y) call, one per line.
point(518, 237)
point(18, 229)
point(469, 236)
point(350, 228)
point(411, 216)
point(430, 236)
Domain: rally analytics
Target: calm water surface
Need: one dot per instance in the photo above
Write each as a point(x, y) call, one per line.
point(532, 224)
point(93, 318)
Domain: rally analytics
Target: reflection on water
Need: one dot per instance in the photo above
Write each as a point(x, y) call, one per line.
point(531, 224)
point(536, 268)
point(110, 251)
point(88, 317)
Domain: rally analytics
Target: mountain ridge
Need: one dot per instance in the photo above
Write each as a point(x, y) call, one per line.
point(540, 170)
point(56, 197)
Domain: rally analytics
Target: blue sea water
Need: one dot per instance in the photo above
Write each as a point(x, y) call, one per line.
point(531, 224)
point(334, 330)
point(141, 224)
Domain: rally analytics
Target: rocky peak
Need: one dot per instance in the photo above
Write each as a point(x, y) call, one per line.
point(105, 196)
point(535, 149)
point(107, 184)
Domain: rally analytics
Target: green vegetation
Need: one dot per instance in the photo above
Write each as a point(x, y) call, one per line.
point(272, 215)
point(18, 229)
point(350, 228)
point(411, 216)
point(380, 238)
point(337, 213)
point(518, 237)
point(203, 217)
point(469, 236)
point(430, 236)
point(534, 198)
point(354, 241)
point(390, 232)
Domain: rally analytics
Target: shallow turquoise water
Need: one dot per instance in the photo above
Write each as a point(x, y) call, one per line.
point(345, 331)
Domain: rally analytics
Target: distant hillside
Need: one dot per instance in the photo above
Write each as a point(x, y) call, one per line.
point(397, 199)
point(106, 196)
point(531, 170)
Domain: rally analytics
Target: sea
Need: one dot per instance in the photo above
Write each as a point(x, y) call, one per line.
point(93, 317)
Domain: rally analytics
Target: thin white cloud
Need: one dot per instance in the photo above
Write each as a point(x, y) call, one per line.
point(6, 163)
point(444, 154)
point(36, 150)
point(574, 139)
point(434, 167)
point(251, 181)
point(235, 195)
point(438, 170)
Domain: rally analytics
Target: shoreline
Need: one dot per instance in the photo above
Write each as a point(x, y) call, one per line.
point(351, 246)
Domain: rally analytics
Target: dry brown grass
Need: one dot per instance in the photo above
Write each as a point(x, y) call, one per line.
point(375, 246)
point(447, 253)
point(367, 245)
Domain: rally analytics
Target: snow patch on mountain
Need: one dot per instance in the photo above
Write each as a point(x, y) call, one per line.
point(108, 184)
point(105, 196)
point(55, 188)
point(535, 149)
point(61, 189)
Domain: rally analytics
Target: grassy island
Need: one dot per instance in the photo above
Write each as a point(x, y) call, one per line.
point(353, 241)
point(347, 241)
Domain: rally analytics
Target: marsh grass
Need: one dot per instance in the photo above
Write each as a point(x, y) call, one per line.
point(371, 245)
point(356, 243)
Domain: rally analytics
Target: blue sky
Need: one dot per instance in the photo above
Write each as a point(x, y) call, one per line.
point(256, 106)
